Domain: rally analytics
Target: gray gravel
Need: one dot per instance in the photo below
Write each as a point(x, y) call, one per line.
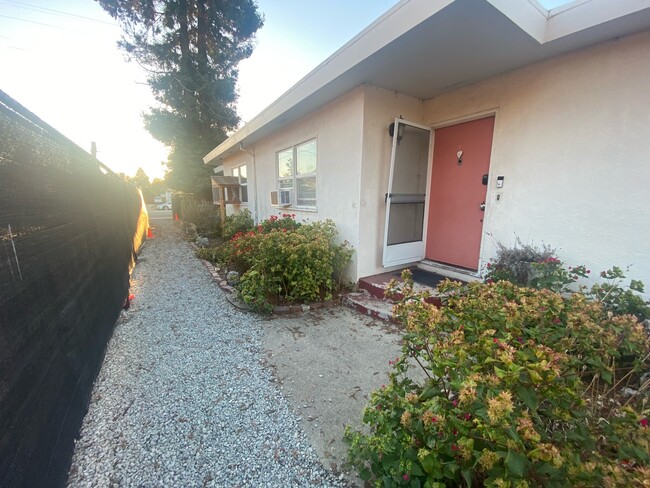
point(183, 398)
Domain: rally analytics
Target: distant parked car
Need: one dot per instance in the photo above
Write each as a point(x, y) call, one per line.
point(158, 199)
point(165, 206)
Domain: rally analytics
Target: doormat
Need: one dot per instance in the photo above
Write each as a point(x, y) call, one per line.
point(424, 277)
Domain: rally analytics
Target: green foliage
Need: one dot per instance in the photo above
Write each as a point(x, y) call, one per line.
point(618, 299)
point(191, 49)
point(282, 261)
point(517, 387)
point(514, 264)
point(527, 265)
point(203, 215)
point(236, 223)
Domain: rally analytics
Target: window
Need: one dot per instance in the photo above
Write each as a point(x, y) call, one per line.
point(240, 172)
point(297, 172)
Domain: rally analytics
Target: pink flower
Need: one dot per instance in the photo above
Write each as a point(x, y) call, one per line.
point(644, 422)
point(468, 416)
point(405, 477)
point(455, 403)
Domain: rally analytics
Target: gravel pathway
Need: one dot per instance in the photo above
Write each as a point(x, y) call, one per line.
point(182, 398)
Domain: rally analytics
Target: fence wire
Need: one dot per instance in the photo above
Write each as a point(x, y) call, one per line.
point(66, 240)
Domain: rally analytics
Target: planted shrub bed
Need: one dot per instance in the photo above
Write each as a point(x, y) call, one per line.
point(283, 262)
point(526, 386)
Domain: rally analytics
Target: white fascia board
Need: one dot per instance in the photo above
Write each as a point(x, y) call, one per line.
point(578, 16)
point(394, 23)
point(529, 15)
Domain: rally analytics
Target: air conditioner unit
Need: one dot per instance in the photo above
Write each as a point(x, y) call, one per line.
point(281, 198)
point(285, 198)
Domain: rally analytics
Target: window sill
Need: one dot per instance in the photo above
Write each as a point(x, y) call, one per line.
point(300, 209)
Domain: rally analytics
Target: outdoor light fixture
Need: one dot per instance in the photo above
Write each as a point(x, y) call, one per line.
point(400, 131)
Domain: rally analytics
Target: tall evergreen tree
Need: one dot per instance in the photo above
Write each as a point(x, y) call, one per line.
point(190, 50)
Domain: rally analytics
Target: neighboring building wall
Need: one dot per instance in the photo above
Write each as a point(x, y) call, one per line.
point(381, 107)
point(572, 139)
point(337, 128)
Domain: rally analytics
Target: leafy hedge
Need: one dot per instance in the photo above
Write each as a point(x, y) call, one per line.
point(282, 261)
point(520, 387)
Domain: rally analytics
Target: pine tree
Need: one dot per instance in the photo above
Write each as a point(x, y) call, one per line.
point(190, 50)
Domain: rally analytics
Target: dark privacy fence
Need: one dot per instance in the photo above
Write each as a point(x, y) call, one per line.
point(66, 232)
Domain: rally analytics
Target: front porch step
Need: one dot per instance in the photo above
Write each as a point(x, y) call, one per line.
point(367, 304)
point(377, 285)
point(371, 299)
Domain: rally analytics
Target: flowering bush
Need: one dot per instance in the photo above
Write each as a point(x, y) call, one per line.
point(239, 222)
point(539, 268)
point(519, 387)
point(283, 261)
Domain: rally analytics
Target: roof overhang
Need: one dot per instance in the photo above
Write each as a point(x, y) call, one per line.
point(423, 48)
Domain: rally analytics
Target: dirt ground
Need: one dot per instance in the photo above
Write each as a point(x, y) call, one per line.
point(327, 362)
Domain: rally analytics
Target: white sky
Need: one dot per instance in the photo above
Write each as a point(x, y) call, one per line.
point(59, 59)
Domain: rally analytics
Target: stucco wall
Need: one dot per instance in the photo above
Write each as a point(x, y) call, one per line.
point(381, 107)
point(337, 128)
point(572, 139)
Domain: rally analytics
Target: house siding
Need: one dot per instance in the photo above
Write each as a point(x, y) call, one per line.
point(337, 127)
point(381, 107)
point(572, 139)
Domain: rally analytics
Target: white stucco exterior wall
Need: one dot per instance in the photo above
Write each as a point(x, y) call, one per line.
point(381, 107)
point(572, 139)
point(337, 128)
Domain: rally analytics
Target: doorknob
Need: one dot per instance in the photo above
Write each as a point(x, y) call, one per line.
point(482, 207)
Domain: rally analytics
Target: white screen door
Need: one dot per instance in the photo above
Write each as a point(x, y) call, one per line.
point(406, 197)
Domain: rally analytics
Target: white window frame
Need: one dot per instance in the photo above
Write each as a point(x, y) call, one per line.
point(295, 176)
point(236, 171)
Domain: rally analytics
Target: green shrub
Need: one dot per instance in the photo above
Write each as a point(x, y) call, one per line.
point(204, 215)
point(239, 222)
point(282, 261)
point(520, 388)
point(618, 299)
point(514, 264)
point(294, 266)
point(527, 265)
point(285, 221)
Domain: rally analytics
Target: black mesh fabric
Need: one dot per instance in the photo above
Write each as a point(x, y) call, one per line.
point(66, 241)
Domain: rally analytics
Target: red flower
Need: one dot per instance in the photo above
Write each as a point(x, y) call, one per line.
point(644, 422)
point(468, 416)
point(454, 447)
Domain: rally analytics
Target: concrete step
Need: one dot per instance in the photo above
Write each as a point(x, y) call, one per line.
point(367, 304)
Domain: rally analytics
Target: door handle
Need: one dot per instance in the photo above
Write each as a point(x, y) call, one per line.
point(482, 207)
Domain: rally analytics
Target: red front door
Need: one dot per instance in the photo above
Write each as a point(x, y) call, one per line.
point(461, 156)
